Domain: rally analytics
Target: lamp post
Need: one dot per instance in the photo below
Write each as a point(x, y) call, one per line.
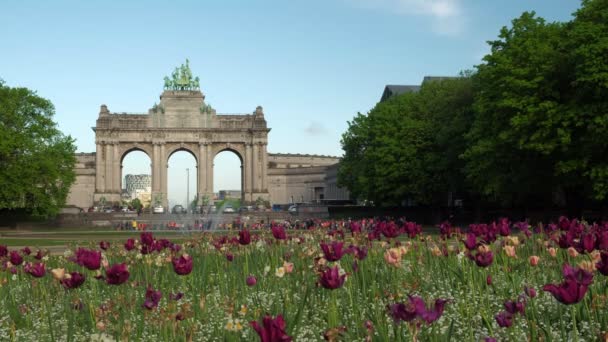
point(187, 189)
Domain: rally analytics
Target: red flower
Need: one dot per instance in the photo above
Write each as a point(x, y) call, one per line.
point(244, 237)
point(87, 258)
point(182, 265)
point(334, 251)
point(272, 329)
point(37, 270)
point(117, 274)
point(73, 281)
point(331, 278)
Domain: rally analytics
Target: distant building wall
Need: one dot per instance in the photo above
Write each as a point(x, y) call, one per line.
point(81, 192)
point(332, 190)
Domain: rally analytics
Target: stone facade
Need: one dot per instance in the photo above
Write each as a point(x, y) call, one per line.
point(297, 178)
point(81, 193)
point(182, 121)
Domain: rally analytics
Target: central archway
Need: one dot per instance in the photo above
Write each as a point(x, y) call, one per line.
point(229, 182)
point(182, 179)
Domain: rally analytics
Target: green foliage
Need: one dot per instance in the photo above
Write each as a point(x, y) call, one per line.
point(36, 159)
point(408, 147)
point(136, 204)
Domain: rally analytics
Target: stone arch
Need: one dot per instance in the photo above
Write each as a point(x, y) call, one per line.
point(239, 150)
point(126, 149)
point(186, 147)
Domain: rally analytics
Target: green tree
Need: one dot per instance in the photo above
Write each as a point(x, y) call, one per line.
point(36, 159)
point(136, 204)
point(542, 111)
point(408, 147)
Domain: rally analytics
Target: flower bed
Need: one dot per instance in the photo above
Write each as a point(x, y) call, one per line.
point(364, 280)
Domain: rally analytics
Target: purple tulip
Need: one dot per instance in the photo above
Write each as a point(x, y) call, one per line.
point(602, 265)
point(146, 238)
point(117, 274)
point(514, 307)
point(272, 329)
point(530, 291)
point(430, 316)
point(244, 237)
point(176, 296)
point(402, 312)
point(3, 251)
point(574, 287)
point(39, 255)
point(489, 280)
point(26, 251)
point(331, 278)
point(152, 298)
point(333, 251)
point(471, 241)
point(36, 270)
point(484, 259)
point(130, 244)
point(88, 258)
point(15, 258)
point(251, 281)
point(504, 319)
point(182, 265)
point(278, 232)
point(73, 281)
point(104, 245)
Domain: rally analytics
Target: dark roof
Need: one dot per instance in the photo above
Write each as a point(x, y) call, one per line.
point(394, 89)
point(391, 90)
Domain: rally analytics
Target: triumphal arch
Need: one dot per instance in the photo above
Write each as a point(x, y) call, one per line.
point(182, 121)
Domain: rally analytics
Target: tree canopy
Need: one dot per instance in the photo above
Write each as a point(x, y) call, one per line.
point(36, 159)
point(528, 125)
point(407, 148)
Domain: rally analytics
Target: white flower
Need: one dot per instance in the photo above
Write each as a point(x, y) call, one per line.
point(14, 277)
point(266, 270)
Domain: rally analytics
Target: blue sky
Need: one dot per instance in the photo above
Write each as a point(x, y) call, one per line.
point(311, 64)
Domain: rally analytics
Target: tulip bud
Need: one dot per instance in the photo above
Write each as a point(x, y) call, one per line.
point(251, 280)
point(572, 252)
point(530, 291)
point(533, 260)
point(489, 280)
point(552, 252)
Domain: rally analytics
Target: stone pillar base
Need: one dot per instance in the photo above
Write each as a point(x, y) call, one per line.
point(110, 198)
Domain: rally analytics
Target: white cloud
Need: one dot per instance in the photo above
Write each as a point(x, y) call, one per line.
point(446, 16)
point(315, 128)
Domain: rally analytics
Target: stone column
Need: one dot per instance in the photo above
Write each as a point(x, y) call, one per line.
point(99, 168)
point(109, 172)
point(155, 169)
point(163, 179)
point(255, 169)
point(247, 171)
point(264, 168)
point(210, 160)
point(202, 170)
point(116, 162)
